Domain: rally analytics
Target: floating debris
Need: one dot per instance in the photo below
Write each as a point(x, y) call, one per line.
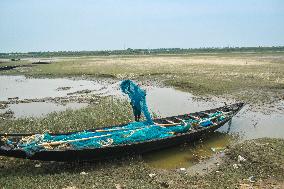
point(7, 68)
point(165, 184)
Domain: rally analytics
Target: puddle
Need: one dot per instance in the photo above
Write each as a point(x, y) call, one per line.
point(169, 102)
point(39, 109)
point(20, 88)
point(186, 156)
point(251, 125)
point(30, 88)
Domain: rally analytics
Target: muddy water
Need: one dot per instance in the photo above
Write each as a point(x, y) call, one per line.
point(169, 102)
point(189, 154)
point(246, 124)
point(30, 88)
point(21, 88)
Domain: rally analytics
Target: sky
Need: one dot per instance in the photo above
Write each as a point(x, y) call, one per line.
point(74, 25)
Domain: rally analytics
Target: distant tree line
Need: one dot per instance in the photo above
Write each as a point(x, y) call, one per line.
point(129, 51)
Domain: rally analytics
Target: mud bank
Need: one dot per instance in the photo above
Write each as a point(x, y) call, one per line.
point(260, 166)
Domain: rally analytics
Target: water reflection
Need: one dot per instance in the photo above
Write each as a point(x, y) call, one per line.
point(250, 125)
point(189, 154)
point(31, 88)
point(169, 102)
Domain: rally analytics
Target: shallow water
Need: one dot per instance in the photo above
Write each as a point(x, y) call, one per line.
point(189, 154)
point(169, 102)
point(251, 125)
point(163, 101)
point(31, 88)
point(37, 88)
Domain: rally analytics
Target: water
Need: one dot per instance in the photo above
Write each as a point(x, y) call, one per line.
point(251, 125)
point(190, 154)
point(163, 101)
point(170, 102)
point(30, 88)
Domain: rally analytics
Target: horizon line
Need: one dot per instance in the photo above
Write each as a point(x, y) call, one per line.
point(126, 49)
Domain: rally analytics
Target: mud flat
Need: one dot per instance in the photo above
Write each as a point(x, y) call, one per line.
point(245, 157)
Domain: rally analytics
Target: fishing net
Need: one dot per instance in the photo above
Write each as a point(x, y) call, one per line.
point(131, 133)
point(137, 97)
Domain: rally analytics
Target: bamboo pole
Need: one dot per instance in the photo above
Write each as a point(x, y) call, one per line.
point(68, 141)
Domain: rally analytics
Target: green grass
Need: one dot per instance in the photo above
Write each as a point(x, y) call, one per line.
point(108, 111)
point(264, 161)
point(23, 174)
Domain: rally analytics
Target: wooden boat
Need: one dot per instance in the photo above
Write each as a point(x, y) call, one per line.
point(123, 149)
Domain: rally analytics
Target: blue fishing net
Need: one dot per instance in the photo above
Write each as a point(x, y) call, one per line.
point(137, 97)
point(130, 133)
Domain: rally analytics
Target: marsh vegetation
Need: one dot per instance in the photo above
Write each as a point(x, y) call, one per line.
point(256, 78)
